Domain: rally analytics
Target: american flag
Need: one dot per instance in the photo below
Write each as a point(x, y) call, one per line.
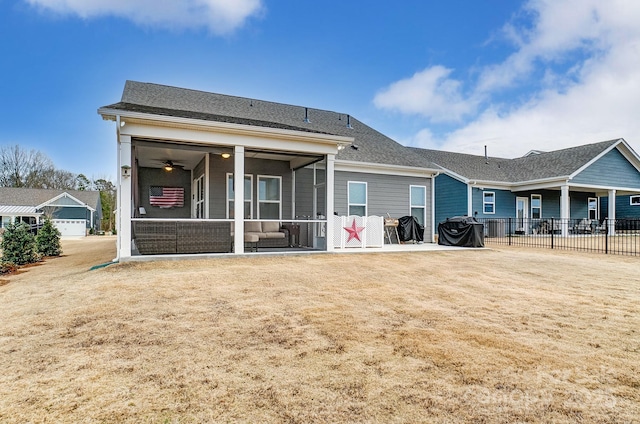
point(166, 197)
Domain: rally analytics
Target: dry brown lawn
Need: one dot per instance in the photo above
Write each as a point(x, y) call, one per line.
point(502, 335)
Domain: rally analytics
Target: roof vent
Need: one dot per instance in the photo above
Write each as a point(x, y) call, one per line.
point(486, 156)
point(306, 115)
point(349, 122)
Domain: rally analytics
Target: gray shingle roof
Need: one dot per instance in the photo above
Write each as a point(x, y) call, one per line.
point(373, 147)
point(11, 196)
point(557, 163)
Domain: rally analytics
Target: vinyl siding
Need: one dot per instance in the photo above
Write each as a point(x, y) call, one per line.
point(613, 170)
point(505, 205)
point(304, 193)
point(450, 198)
point(148, 177)
point(385, 194)
point(623, 208)
point(218, 169)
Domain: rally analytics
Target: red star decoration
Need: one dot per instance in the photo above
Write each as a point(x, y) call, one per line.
point(354, 231)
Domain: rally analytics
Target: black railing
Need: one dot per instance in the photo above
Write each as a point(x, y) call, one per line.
point(619, 236)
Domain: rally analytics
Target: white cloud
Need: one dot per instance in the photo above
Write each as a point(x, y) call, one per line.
point(598, 98)
point(219, 16)
point(430, 93)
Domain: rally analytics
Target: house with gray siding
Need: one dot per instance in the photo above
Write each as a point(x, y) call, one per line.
point(198, 166)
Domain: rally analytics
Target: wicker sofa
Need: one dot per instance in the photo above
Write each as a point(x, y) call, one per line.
point(179, 237)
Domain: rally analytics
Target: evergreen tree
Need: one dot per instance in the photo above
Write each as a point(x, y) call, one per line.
point(19, 245)
point(48, 239)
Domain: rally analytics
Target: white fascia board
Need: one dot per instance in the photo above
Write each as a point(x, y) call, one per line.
point(500, 185)
point(454, 175)
point(606, 188)
point(140, 124)
point(65, 194)
point(383, 169)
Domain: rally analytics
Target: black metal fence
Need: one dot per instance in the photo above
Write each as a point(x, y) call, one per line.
point(619, 236)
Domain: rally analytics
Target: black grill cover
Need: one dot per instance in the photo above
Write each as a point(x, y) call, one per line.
point(409, 229)
point(463, 231)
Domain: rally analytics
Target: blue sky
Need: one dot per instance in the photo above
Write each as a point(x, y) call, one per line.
point(456, 75)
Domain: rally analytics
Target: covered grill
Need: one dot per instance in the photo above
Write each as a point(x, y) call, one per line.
point(464, 231)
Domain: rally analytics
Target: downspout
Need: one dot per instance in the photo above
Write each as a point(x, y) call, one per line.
point(433, 206)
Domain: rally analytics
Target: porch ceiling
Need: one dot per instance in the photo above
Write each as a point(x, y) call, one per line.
point(155, 154)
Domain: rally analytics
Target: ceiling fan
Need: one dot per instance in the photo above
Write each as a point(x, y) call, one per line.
point(169, 165)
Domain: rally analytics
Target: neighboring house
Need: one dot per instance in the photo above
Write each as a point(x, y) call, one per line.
point(73, 212)
point(196, 166)
point(573, 183)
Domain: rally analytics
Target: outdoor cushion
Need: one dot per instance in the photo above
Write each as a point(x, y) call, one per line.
point(252, 227)
point(272, 235)
point(270, 227)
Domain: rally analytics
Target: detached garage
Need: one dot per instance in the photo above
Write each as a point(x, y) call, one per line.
point(73, 212)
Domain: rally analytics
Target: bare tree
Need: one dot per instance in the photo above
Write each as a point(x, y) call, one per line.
point(34, 169)
point(24, 168)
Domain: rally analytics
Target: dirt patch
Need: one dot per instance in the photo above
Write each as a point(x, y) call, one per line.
point(511, 335)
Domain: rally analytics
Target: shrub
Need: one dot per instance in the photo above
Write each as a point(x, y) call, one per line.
point(48, 239)
point(8, 268)
point(19, 245)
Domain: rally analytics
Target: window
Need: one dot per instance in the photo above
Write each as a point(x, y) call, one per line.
point(357, 198)
point(418, 202)
point(634, 200)
point(592, 203)
point(536, 206)
point(248, 196)
point(489, 202)
point(269, 197)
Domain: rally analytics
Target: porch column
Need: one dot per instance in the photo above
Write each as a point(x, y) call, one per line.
point(612, 213)
point(125, 210)
point(565, 212)
point(238, 200)
point(469, 200)
point(329, 190)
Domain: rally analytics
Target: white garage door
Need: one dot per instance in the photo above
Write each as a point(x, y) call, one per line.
point(71, 227)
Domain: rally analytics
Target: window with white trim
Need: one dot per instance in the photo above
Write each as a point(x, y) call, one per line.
point(634, 200)
point(248, 196)
point(592, 205)
point(269, 197)
point(418, 202)
point(357, 198)
point(536, 206)
point(489, 202)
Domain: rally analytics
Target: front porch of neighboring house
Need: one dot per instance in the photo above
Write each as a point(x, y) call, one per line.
point(564, 210)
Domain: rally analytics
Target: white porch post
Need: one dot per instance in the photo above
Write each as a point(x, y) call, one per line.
point(469, 200)
point(238, 200)
point(329, 190)
point(125, 210)
point(612, 213)
point(207, 159)
point(565, 212)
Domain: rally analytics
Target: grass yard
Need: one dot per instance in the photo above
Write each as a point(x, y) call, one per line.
point(502, 335)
